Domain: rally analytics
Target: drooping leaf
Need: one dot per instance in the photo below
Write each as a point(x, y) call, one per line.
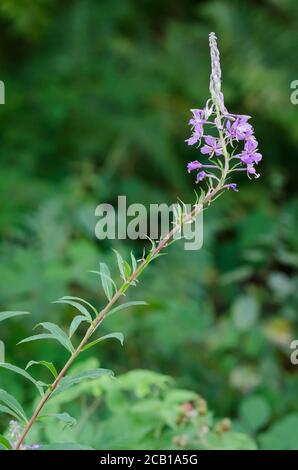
point(77, 305)
point(79, 299)
point(6, 315)
point(37, 337)
point(13, 404)
point(8, 411)
point(25, 374)
point(118, 336)
point(48, 365)
point(5, 442)
point(59, 334)
point(125, 306)
point(76, 323)
point(106, 280)
point(71, 380)
point(42, 336)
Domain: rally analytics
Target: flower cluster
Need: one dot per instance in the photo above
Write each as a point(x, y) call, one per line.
point(233, 147)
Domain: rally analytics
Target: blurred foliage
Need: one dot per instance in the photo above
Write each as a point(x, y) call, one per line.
point(97, 100)
point(140, 410)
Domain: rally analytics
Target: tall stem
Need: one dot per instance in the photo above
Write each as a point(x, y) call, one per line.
point(134, 276)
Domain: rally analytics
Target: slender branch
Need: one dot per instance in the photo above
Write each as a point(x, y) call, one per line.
point(134, 276)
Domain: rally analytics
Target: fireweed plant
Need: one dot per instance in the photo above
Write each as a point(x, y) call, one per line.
point(227, 145)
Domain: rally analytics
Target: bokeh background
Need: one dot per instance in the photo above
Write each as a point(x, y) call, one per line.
point(97, 103)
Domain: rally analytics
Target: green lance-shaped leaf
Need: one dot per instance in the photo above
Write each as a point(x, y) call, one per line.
point(55, 333)
point(59, 334)
point(5, 442)
point(121, 264)
point(8, 411)
point(106, 277)
point(118, 336)
point(125, 306)
point(71, 380)
point(37, 337)
point(2, 352)
point(25, 374)
point(133, 261)
point(75, 324)
point(13, 404)
point(77, 305)
point(134, 265)
point(6, 315)
point(49, 365)
point(80, 300)
point(127, 270)
point(106, 280)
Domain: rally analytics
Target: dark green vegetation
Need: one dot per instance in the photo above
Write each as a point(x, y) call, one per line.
point(97, 100)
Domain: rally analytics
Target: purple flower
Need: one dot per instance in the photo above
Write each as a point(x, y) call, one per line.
point(232, 186)
point(250, 155)
point(195, 137)
point(200, 176)
point(252, 171)
point(198, 118)
point(231, 128)
point(15, 432)
point(240, 129)
point(35, 446)
point(197, 125)
point(193, 166)
point(211, 146)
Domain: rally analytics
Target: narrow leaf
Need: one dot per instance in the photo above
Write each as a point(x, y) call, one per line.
point(76, 323)
point(48, 365)
point(127, 269)
point(120, 262)
point(118, 336)
point(78, 299)
point(2, 351)
point(58, 334)
point(104, 276)
point(37, 337)
point(106, 280)
point(133, 261)
point(5, 315)
point(71, 380)
point(13, 404)
point(125, 306)
point(8, 411)
point(77, 305)
point(5, 442)
point(25, 374)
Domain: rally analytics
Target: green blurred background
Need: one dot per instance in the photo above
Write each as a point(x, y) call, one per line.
point(97, 103)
